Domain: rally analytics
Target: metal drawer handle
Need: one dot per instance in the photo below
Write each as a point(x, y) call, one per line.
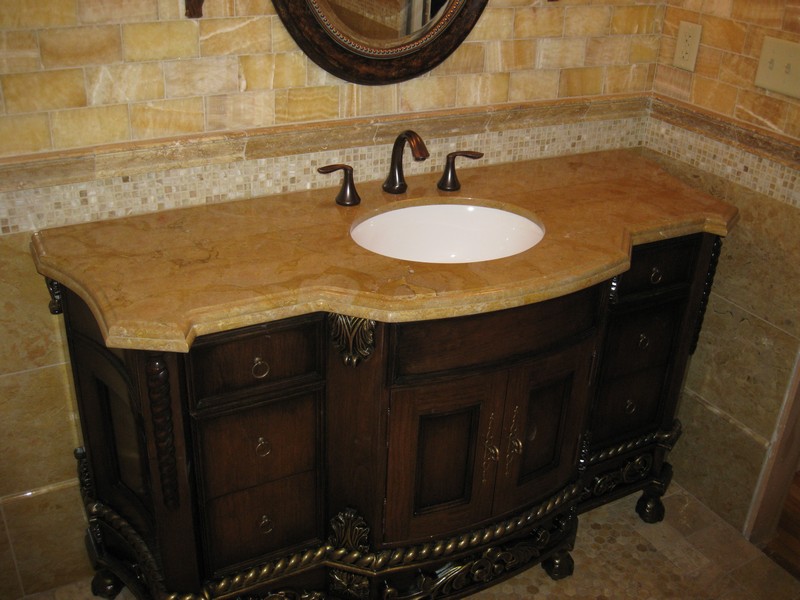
point(630, 406)
point(260, 368)
point(263, 447)
point(644, 341)
point(265, 525)
point(656, 276)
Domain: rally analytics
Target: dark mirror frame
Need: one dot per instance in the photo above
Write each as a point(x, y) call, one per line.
point(337, 50)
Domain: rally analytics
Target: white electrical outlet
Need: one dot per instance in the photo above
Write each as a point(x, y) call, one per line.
point(687, 45)
point(779, 67)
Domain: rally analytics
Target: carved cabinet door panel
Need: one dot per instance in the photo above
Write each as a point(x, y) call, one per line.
point(443, 453)
point(545, 414)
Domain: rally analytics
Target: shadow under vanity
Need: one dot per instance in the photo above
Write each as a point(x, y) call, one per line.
point(269, 410)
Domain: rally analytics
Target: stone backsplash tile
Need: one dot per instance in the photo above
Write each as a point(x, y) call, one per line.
point(32, 337)
point(726, 477)
point(48, 545)
point(80, 46)
point(40, 453)
point(9, 579)
point(757, 357)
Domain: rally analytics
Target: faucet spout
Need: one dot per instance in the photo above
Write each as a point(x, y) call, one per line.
point(395, 183)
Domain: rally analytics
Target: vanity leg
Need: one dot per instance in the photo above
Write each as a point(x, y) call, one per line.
point(105, 584)
point(650, 508)
point(560, 565)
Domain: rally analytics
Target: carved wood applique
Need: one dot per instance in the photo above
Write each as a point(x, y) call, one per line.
point(158, 392)
point(54, 288)
point(194, 9)
point(354, 337)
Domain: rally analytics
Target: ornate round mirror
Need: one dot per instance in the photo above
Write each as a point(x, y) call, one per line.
point(377, 42)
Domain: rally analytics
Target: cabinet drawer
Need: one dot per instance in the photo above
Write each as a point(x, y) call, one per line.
point(254, 446)
point(250, 524)
point(434, 346)
point(659, 266)
point(627, 406)
point(641, 339)
point(255, 358)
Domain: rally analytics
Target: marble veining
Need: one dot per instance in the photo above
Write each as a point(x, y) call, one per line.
point(156, 281)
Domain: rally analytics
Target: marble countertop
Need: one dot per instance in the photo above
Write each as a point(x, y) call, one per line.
point(157, 281)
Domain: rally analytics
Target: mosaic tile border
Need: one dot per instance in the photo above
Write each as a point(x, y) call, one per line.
point(40, 208)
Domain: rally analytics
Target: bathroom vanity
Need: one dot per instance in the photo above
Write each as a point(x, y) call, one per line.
point(270, 410)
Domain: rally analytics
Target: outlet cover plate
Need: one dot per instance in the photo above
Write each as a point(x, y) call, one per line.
point(779, 67)
point(687, 45)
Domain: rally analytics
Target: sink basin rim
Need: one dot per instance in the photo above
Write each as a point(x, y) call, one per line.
point(503, 230)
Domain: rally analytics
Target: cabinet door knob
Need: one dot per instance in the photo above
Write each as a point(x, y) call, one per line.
point(515, 446)
point(265, 525)
point(644, 341)
point(263, 447)
point(260, 368)
point(630, 406)
point(656, 276)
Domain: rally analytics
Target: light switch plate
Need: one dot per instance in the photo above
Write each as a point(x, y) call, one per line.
point(779, 67)
point(687, 45)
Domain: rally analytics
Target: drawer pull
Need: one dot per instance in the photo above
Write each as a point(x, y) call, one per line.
point(265, 525)
point(263, 447)
point(515, 446)
point(644, 341)
point(630, 406)
point(656, 276)
point(260, 368)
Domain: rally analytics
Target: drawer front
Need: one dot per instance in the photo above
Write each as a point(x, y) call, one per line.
point(440, 345)
point(251, 524)
point(660, 265)
point(257, 445)
point(255, 358)
point(641, 339)
point(628, 406)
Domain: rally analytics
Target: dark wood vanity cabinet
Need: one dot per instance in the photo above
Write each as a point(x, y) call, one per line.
point(326, 456)
point(654, 318)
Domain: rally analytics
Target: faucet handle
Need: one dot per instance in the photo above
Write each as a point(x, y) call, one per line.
point(347, 196)
point(449, 181)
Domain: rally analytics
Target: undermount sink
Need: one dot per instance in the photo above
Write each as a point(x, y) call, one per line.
point(447, 233)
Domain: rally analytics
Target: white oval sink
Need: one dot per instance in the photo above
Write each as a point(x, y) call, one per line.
point(447, 233)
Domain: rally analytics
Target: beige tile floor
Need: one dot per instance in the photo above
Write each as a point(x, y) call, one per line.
point(691, 555)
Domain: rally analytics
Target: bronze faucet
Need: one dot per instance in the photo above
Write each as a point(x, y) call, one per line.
point(395, 183)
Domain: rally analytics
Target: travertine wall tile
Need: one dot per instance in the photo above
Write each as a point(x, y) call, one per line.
point(19, 52)
point(126, 82)
point(42, 13)
point(24, 134)
point(468, 58)
point(79, 46)
point(587, 81)
point(117, 11)
point(161, 41)
point(235, 36)
point(426, 93)
point(202, 76)
point(532, 85)
point(539, 22)
point(511, 55)
point(90, 126)
point(164, 118)
point(241, 111)
point(608, 51)
point(587, 21)
point(43, 90)
point(636, 19)
point(714, 95)
point(254, 7)
point(560, 53)
point(477, 90)
point(307, 104)
point(767, 13)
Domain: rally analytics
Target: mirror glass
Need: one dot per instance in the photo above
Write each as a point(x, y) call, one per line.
point(377, 42)
point(387, 20)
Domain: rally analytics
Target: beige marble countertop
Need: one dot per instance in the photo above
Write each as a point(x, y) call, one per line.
point(157, 281)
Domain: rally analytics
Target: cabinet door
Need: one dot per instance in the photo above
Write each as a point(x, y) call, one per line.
point(443, 452)
point(636, 364)
point(545, 413)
